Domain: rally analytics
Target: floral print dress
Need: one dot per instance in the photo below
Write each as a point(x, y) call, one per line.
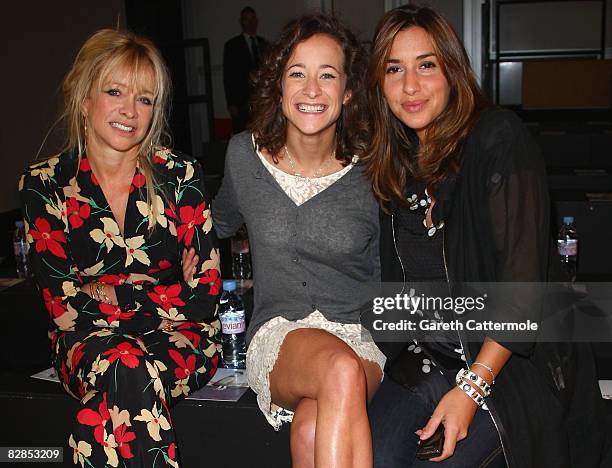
point(113, 358)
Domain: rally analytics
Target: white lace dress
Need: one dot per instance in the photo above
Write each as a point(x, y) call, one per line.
point(265, 345)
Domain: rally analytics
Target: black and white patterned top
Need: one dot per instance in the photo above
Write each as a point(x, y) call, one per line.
point(420, 247)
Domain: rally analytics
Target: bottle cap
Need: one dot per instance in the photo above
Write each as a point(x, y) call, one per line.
point(568, 220)
point(19, 223)
point(229, 285)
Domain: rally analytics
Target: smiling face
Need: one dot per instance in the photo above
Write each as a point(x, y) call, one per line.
point(414, 86)
point(314, 83)
point(119, 112)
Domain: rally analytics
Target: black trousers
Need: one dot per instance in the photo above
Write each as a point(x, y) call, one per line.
point(396, 412)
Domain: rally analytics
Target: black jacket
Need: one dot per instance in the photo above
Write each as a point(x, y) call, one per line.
point(546, 402)
point(237, 67)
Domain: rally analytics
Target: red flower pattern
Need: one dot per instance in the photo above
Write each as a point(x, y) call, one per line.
point(77, 355)
point(114, 280)
point(170, 211)
point(186, 367)
point(161, 266)
point(190, 218)
point(54, 304)
point(114, 312)
point(167, 296)
point(159, 160)
point(137, 182)
point(214, 365)
point(128, 354)
point(46, 239)
point(77, 213)
point(97, 419)
point(86, 167)
point(213, 279)
point(185, 329)
point(123, 437)
point(64, 373)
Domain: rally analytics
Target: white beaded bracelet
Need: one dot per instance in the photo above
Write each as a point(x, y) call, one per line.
point(472, 393)
point(466, 375)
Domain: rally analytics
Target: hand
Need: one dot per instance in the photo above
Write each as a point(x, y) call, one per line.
point(188, 263)
point(455, 410)
point(108, 289)
point(165, 323)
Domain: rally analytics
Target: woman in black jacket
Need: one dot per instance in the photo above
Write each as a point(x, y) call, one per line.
point(463, 193)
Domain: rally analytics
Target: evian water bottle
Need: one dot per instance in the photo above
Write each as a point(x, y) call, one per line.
point(567, 241)
point(241, 259)
point(233, 327)
point(20, 247)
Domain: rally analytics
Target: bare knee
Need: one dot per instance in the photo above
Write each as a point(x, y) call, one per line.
point(303, 429)
point(345, 375)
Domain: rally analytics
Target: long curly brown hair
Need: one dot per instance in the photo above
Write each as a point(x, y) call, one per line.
point(394, 153)
point(269, 124)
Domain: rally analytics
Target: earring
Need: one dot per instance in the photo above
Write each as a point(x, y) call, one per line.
point(84, 149)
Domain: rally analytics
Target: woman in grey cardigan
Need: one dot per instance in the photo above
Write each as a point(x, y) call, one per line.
point(313, 227)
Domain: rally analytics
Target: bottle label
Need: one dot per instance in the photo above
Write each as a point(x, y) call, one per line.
point(20, 248)
point(240, 246)
point(233, 323)
point(568, 248)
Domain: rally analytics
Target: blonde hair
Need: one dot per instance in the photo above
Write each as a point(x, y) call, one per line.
point(103, 53)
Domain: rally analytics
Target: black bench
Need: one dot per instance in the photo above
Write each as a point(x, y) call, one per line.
point(39, 413)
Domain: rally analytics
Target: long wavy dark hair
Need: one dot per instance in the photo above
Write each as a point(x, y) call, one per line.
point(269, 124)
point(394, 153)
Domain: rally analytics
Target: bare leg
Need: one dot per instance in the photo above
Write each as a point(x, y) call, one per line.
point(303, 429)
point(315, 364)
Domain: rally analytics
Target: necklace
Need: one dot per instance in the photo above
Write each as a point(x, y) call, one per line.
point(318, 172)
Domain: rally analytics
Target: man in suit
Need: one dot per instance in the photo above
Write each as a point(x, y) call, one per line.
point(241, 56)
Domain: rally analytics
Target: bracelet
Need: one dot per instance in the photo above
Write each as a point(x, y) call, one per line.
point(476, 363)
point(470, 377)
point(472, 393)
point(100, 290)
point(168, 327)
point(92, 292)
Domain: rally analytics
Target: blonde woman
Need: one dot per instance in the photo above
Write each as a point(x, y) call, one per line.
point(123, 251)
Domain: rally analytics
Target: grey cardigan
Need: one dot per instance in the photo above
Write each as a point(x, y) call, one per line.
point(322, 255)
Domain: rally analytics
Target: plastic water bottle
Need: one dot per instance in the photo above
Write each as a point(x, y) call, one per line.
point(567, 241)
point(241, 259)
point(20, 247)
point(233, 327)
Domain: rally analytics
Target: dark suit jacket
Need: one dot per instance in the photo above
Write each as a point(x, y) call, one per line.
point(237, 67)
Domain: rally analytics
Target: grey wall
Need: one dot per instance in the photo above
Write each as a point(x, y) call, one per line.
point(38, 42)
point(360, 15)
point(218, 21)
point(452, 9)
